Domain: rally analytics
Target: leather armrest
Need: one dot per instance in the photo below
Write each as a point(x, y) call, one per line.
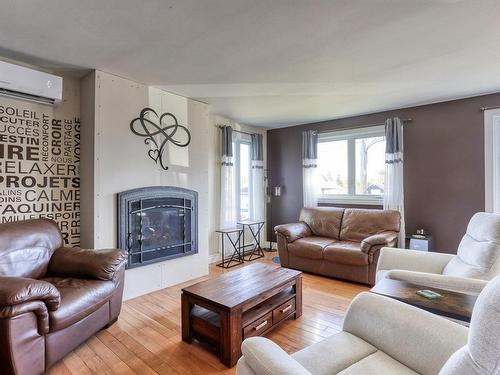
point(36, 307)
point(379, 239)
point(76, 262)
point(19, 290)
point(293, 231)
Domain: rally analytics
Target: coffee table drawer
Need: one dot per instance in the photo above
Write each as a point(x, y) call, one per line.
point(283, 311)
point(259, 326)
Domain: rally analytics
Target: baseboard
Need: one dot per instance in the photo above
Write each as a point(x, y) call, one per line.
point(214, 258)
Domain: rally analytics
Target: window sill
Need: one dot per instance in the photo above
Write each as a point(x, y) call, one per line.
point(369, 201)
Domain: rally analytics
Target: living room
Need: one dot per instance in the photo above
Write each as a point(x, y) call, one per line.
point(249, 187)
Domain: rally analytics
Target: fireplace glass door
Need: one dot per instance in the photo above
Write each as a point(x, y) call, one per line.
point(159, 228)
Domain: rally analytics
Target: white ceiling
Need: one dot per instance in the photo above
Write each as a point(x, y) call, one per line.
point(271, 62)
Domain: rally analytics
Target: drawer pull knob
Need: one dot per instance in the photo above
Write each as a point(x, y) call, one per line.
point(286, 309)
point(261, 325)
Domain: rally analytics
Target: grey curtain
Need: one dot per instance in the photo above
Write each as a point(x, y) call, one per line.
point(257, 154)
point(309, 145)
point(258, 190)
point(310, 178)
point(393, 137)
point(227, 188)
point(227, 141)
point(394, 172)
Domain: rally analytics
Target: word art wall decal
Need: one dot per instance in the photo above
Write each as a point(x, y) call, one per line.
point(158, 131)
point(40, 166)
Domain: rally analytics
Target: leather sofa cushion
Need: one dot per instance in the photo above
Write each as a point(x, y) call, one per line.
point(79, 298)
point(346, 252)
point(323, 221)
point(309, 247)
point(26, 247)
point(357, 224)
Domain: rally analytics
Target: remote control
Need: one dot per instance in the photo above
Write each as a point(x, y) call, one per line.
point(429, 294)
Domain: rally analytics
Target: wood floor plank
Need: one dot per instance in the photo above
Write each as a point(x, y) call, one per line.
point(146, 339)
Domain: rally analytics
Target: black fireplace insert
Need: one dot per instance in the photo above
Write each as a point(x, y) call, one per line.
point(157, 223)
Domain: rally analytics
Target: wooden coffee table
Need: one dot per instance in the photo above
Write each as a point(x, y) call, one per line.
point(247, 302)
point(452, 305)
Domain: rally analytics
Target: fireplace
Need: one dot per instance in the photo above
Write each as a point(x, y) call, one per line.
point(157, 223)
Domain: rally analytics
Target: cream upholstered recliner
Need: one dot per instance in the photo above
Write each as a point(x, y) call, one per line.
point(476, 262)
point(382, 336)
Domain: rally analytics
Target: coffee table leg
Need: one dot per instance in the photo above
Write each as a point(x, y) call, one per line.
point(186, 318)
point(298, 297)
point(231, 332)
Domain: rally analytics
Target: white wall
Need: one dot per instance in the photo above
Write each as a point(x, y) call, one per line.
point(121, 163)
point(116, 160)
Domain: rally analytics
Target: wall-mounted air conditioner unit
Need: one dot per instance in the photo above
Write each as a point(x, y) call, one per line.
point(28, 84)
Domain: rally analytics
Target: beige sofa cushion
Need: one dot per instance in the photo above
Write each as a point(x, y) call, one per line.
point(378, 363)
point(346, 252)
point(479, 251)
point(323, 221)
point(357, 224)
point(333, 354)
point(309, 247)
point(372, 317)
point(266, 358)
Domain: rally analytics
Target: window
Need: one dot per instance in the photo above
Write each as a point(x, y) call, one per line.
point(351, 165)
point(242, 162)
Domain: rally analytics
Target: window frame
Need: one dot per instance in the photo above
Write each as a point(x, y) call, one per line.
point(237, 176)
point(351, 135)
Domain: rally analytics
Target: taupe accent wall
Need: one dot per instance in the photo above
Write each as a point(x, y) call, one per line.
point(444, 165)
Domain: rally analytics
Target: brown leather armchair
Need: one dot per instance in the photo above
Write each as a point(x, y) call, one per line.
point(52, 298)
point(338, 242)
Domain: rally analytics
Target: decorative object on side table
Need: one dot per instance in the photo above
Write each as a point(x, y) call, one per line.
point(250, 301)
point(158, 130)
point(421, 240)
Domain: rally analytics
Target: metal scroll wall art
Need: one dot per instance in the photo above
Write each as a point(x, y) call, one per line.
point(158, 131)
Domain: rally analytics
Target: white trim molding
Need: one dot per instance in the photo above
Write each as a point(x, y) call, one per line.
point(492, 160)
point(368, 200)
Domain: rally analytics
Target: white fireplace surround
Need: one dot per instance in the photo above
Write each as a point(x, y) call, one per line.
point(115, 160)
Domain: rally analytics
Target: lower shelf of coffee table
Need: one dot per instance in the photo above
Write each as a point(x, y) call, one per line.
point(256, 321)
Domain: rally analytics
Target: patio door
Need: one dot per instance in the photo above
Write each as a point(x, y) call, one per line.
point(492, 160)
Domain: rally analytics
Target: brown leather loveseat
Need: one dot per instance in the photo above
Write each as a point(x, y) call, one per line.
point(51, 298)
point(338, 242)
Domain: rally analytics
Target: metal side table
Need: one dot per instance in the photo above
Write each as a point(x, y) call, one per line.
point(236, 257)
point(255, 228)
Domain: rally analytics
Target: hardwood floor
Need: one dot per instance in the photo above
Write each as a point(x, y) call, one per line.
point(147, 337)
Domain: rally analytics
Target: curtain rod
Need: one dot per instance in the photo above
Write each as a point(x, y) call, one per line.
point(237, 131)
point(486, 108)
point(360, 126)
